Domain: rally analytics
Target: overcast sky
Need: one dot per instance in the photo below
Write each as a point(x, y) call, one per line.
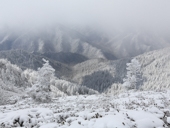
point(107, 14)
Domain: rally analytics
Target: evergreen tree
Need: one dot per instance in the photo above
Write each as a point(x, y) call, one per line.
point(133, 73)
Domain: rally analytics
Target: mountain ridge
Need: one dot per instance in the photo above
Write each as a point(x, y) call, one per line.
point(90, 43)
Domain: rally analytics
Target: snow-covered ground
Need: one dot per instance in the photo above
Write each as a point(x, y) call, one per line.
point(127, 110)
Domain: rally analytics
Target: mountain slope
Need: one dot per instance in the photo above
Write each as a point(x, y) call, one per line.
point(156, 69)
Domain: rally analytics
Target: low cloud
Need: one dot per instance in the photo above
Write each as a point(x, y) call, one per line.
point(107, 15)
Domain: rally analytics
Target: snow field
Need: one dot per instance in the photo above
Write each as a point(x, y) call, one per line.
point(127, 110)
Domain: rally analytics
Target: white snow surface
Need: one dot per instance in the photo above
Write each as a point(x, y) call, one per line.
point(145, 109)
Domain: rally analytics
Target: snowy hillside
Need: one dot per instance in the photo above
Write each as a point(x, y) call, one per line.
point(127, 110)
point(155, 69)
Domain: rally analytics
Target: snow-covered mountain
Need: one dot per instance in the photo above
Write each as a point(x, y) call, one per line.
point(136, 43)
point(122, 43)
point(88, 42)
point(52, 39)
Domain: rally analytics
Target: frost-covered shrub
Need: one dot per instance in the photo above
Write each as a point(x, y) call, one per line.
point(39, 94)
point(31, 76)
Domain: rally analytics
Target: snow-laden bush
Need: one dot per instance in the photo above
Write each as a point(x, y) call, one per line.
point(31, 76)
point(41, 90)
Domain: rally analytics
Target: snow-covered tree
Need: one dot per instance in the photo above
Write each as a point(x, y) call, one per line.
point(69, 88)
point(41, 90)
point(133, 73)
point(11, 77)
